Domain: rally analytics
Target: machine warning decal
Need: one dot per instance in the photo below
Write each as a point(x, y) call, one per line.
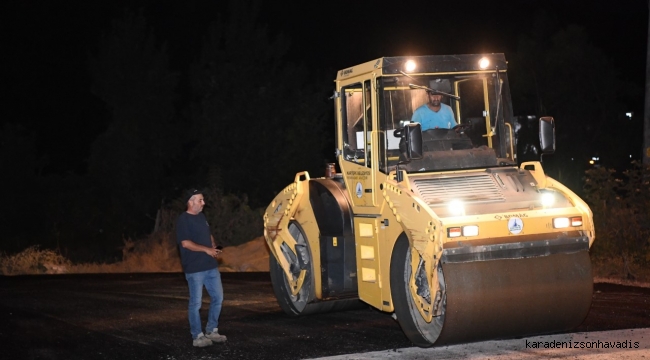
point(515, 225)
point(359, 190)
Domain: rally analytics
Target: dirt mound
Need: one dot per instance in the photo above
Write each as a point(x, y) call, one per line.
point(251, 256)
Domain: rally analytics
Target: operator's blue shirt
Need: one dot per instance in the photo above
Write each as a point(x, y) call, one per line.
point(443, 119)
point(194, 228)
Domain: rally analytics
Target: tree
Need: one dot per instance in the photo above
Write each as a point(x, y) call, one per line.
point(559, 72)
point(646, 115)
point(255, 116)
point(20, 188)
point(130, 161)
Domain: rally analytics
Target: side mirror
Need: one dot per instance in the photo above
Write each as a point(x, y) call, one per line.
point(547, 135)
point(413, 141)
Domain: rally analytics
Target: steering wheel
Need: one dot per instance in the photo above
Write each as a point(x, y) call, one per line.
point(460, 128)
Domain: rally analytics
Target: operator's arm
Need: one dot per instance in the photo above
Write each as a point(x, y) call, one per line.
point(192, 246)
point(416, 116)
point(451, 119)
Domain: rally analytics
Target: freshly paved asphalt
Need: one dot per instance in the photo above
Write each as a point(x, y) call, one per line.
point(143, 316)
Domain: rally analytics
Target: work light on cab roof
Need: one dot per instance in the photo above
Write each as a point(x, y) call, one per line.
point(410, 65)
point(483, 63)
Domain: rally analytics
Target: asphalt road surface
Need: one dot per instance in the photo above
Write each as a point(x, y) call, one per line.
point(144, 316)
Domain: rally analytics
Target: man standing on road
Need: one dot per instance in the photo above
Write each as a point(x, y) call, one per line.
point(198, 257)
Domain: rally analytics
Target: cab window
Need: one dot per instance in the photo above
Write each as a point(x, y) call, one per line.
point(356, 110)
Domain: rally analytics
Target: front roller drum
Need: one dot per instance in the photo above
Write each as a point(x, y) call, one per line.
point(502, 298)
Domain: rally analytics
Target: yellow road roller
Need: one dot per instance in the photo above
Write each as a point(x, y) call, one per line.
point(429, 215)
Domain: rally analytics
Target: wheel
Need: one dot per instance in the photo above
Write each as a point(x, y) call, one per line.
point(420, 332)
point(293, 305)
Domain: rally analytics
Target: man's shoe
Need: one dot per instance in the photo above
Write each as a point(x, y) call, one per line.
point(214, 336)
point(201, 341)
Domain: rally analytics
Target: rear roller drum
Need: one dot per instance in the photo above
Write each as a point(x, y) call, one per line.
point(293, 305)
point(304, 302)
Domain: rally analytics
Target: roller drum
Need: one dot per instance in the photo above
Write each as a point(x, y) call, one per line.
point(515, 297)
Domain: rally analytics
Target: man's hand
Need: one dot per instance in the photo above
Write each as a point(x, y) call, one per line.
point(212, 251)
point(192, 246)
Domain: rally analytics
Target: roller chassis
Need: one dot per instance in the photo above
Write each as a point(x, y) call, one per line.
point(404, 260)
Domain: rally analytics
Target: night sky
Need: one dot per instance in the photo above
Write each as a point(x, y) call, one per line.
point(46, 45)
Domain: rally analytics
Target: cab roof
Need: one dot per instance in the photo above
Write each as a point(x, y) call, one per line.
point(426, 64)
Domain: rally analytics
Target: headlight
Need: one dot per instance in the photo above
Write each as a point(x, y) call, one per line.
point(548, 199)
point(576, 221)
point(467, 230)
point(470, 230)
point(565, 222)
point(456, 208)
point(560, 223)
point(454, 232)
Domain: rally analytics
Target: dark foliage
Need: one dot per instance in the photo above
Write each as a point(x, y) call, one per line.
point(240, 119)
point(559, 72)
point(620, 203)
point(255, 116)
point(252, 121)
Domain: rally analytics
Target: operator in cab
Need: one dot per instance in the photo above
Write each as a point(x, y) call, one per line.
point(434, 114)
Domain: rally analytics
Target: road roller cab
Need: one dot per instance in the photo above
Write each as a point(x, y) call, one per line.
point(430, 216)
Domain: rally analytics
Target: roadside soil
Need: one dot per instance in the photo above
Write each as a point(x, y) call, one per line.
point(614, 271)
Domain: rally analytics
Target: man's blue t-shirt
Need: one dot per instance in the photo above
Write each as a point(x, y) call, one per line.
point(194, 228)
point(443, 119)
